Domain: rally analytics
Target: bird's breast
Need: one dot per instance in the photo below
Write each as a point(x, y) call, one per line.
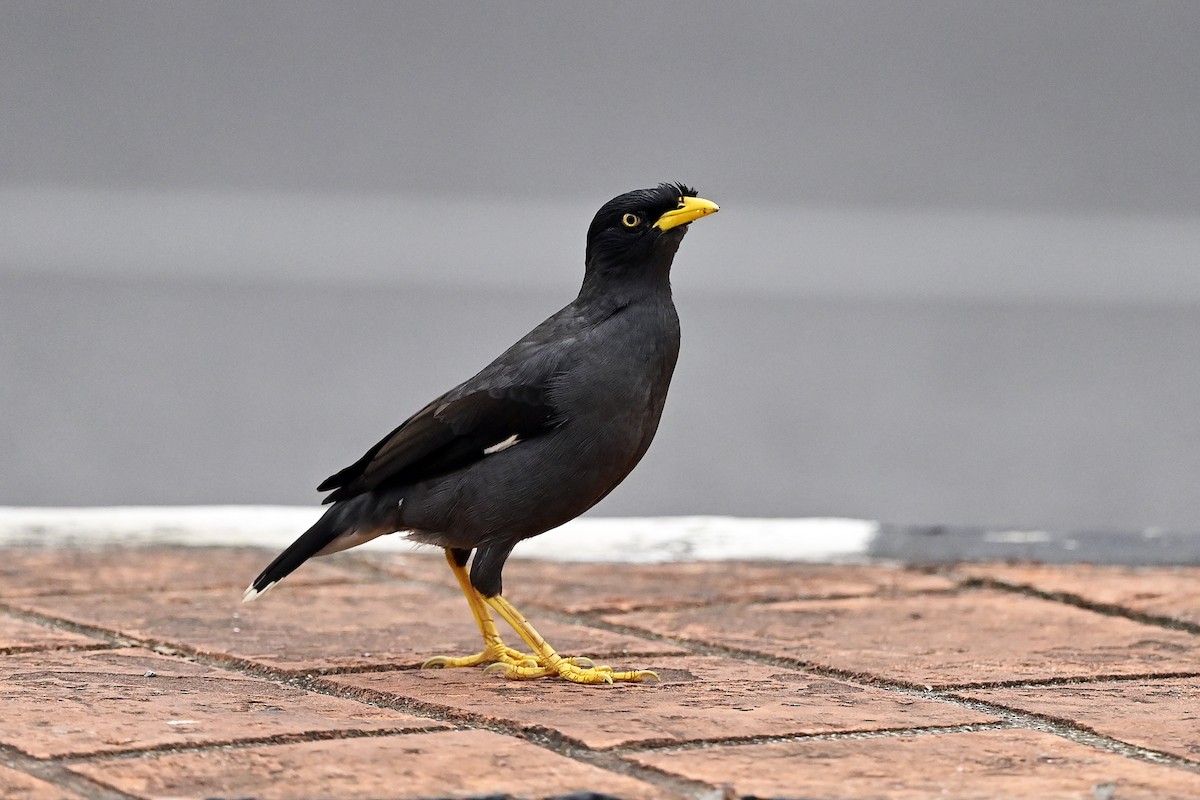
point(616, 388)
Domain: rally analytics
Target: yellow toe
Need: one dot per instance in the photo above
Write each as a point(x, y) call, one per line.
point(568, 669)
point(490, 655)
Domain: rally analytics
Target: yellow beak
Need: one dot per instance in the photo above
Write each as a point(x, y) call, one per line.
point(690, 209)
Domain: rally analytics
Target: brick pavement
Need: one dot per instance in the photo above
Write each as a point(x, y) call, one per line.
point(137, 673)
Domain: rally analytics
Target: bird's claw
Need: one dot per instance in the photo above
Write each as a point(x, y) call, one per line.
point(584, 661)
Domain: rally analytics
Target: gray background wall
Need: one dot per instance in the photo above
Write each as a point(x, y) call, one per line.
point(953, 280)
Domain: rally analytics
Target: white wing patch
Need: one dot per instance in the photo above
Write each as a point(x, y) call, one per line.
point(507, 443)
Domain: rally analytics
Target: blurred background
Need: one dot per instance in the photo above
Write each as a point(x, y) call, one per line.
point(954, 279)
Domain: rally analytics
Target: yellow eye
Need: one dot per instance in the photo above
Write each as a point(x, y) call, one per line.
point(631, 220)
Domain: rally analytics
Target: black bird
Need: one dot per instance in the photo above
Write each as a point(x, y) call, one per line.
point(539, 436)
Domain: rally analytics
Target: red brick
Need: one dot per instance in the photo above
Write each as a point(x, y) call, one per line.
point(937, 640)
point(31, 571)
point(457, 764)
point(1172, 592)
point(61, 704)
point(1012, 764)
point(579, 587)
point(1160, 715)
point(311, 628)
point(699, 698)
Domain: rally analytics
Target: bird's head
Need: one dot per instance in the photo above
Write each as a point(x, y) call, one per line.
point(641, 230)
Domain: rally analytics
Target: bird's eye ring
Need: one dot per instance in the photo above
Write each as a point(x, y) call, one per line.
point(631, 220)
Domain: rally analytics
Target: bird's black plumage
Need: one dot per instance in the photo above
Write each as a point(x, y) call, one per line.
point(543, 432)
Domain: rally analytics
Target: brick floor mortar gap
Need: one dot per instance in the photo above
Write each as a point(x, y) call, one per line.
point(875, 733)
point(50, 648)
point(1066, 598)
point(241, 744)
point(1070, 681)
point(1074, 732)
point(114, 638)
point(56, 773)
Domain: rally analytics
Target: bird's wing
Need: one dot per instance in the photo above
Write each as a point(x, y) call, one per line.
point(450, 433)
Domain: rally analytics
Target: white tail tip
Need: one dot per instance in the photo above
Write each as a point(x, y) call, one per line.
point(253, 594)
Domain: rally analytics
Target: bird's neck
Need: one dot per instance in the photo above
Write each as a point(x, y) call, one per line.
point(620, 284)
point(614, 294)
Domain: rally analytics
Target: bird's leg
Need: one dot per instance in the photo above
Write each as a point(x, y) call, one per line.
point(548, 661)
point(494, 648)
point(495, 651)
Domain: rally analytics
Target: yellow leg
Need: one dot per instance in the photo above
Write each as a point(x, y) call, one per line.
point(494, 648)
point(548, 662)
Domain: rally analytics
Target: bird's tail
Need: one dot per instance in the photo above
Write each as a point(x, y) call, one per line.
point(316, 539)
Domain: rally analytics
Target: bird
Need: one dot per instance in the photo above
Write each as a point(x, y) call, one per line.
point(533, 440)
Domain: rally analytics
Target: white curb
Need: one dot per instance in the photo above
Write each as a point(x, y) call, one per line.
point(641, 539)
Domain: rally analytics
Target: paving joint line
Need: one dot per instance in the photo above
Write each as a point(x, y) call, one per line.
point(58, 775)
point(114, 638)
point(18, 650)
point(299, 737)
point(1070, 599)
point(656, 745)
point(1068, 681)
point(1078, 733)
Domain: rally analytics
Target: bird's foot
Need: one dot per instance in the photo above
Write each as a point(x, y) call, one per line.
point(576, 670)
point(548, 662)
